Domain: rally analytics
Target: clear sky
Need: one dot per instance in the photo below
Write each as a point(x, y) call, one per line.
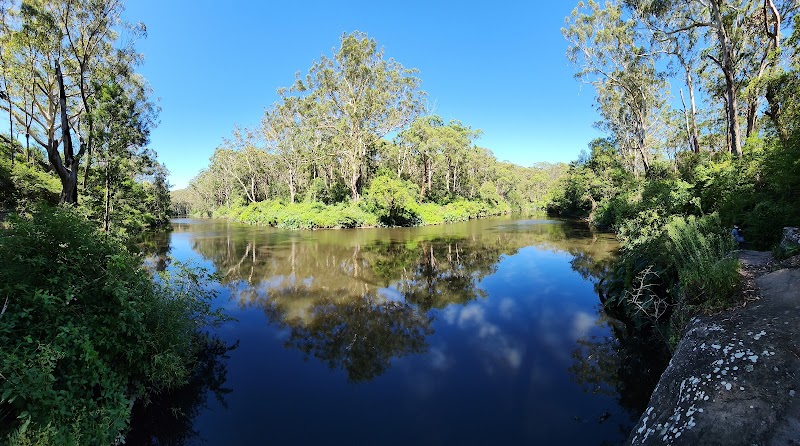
point(497, 66)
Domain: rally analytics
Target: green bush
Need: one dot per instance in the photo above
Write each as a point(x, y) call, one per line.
point(683, 266)
point(702, 254)
point(392, 200)
point(87, 331)
point(488, 193)
point(24, 185)
point(388, 203)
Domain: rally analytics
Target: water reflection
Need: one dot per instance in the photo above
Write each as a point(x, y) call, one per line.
point(154, 248)
point(167, 419)
point(359, 335)
point(465, 321)
point(356, 299)
point(625, 365)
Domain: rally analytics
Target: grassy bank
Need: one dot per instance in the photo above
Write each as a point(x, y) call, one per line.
point(316, 215)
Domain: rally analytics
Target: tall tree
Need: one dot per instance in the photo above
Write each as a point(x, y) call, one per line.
point(438, 150)
point(611, 54)
point(290, 139)
point(741, 40)
point(362, 97)
point(65, 48)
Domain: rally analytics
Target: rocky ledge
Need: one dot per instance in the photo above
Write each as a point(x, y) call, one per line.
point(735, 376)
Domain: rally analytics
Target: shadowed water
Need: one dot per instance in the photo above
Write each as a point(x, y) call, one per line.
point(486, 332)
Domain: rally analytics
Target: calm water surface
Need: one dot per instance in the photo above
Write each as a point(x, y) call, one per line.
point(486, 332)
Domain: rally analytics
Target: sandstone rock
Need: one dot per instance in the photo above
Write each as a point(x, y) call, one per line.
point(735, 376)
point(791, 238)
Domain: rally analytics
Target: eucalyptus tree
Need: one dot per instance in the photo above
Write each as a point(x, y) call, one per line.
point(64, 49)
point(478, 170)
point(456, 140)
point(741, 39)
point(612, 55)
point(290, 139)
point(682, 47)
point(361, 97)
point(440, 152)
point(419, 142)
point(243, 163)
point(6, 72)
point(212, 188)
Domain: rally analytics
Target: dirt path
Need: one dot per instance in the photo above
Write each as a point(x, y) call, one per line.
point(735, 376)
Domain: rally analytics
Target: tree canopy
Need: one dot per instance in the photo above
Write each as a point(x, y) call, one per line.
point(357, 124)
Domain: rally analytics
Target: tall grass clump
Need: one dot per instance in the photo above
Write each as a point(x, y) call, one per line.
point(671, 270)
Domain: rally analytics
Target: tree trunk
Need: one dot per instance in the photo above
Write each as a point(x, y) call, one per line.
point(292, 188)
point(13, 146)
point(430, 176)
point(774, 113)
point(86, 171)
point(774, 33)
point(69, 176)
point(752, 103)
point(354, 180)
point(426, 176)
point(28, 145)
point(107, 214)
point(447, 176)
point(693, 117)
point(455, 181)
point(689, 139)
point(694, 137)
point(727, 66)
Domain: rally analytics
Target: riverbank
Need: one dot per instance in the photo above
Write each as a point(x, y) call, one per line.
point(734, 377)
point(364, 214)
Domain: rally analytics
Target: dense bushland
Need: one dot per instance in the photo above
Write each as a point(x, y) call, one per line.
point(675, 223)
point(87, 332)
point(670, 180)
point(383, 147)
point(132, 202)
point(387, 202)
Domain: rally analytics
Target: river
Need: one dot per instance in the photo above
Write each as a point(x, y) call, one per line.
point(485, 332)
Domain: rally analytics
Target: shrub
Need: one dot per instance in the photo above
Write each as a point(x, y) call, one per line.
point(392, 200)
point(488, 193)
point(87, 331)
point(24, 185)
point(681, 266)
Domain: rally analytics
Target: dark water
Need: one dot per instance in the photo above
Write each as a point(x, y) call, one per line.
point(487, 332)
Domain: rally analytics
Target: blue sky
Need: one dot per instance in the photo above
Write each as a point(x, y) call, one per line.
point(497, 66)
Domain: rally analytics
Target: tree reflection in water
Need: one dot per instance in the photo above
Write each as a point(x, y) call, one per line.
point(625, 366)
point(154, 248)
point(168, 418)
point(357, 334)
point(357, 299)
point(354, 300)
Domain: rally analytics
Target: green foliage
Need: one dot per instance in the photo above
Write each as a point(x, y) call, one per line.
point(595, 181)
point(672, 269)
point(701, 251)
point(673, 182)
point(87, 331)
point(373, 210)
point(488, 193)
point(392, 200)
point(311, 147)
point(25, 184)
point(305, 215)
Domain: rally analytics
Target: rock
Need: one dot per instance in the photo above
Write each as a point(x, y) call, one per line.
point(734, 376)
point(755, 259)
point(791, 238)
